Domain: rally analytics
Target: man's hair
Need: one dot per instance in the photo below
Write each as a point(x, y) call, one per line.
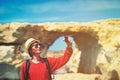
point(30, 51)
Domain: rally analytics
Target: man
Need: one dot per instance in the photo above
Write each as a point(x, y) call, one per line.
point(38, 69)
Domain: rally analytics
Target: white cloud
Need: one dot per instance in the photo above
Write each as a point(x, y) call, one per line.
point(72, 10)
point(65, 6)
point(102, 5)
point(77, 5)
point(73, 5)
point(34, 8)
point(33, 19)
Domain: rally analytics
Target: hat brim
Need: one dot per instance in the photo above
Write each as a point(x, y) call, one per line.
point(31, 44)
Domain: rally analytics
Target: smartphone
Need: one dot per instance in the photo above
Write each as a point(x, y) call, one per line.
point(65, 38)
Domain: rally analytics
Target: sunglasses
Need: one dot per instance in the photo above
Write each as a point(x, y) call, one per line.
point(36, 45)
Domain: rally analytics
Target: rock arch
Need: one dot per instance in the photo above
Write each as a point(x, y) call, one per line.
point(89, 47)
point(88, 37)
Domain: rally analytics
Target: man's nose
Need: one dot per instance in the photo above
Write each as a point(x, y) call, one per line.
point(39, 46)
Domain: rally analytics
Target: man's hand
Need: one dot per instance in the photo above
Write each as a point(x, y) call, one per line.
point(68, 42)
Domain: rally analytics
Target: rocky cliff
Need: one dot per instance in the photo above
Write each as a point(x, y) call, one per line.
point(92, 39)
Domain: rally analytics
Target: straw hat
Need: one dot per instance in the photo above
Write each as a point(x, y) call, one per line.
point(29, 42)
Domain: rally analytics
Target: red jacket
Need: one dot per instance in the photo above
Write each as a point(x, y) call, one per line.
point(40, 72)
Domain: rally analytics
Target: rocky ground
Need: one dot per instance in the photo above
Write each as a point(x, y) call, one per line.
point(77, 76)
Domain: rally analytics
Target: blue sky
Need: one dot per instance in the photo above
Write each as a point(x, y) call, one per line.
point(39, 11)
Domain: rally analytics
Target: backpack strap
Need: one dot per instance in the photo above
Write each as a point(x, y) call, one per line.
point(48, 67)
point(28, 66)
point(27, 69)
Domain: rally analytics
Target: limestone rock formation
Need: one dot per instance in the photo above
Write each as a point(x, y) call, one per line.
point(91, 38)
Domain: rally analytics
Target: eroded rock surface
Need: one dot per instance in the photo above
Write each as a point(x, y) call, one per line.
point(91, 38)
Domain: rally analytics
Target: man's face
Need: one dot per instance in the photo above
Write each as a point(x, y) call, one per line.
point(36, 48)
